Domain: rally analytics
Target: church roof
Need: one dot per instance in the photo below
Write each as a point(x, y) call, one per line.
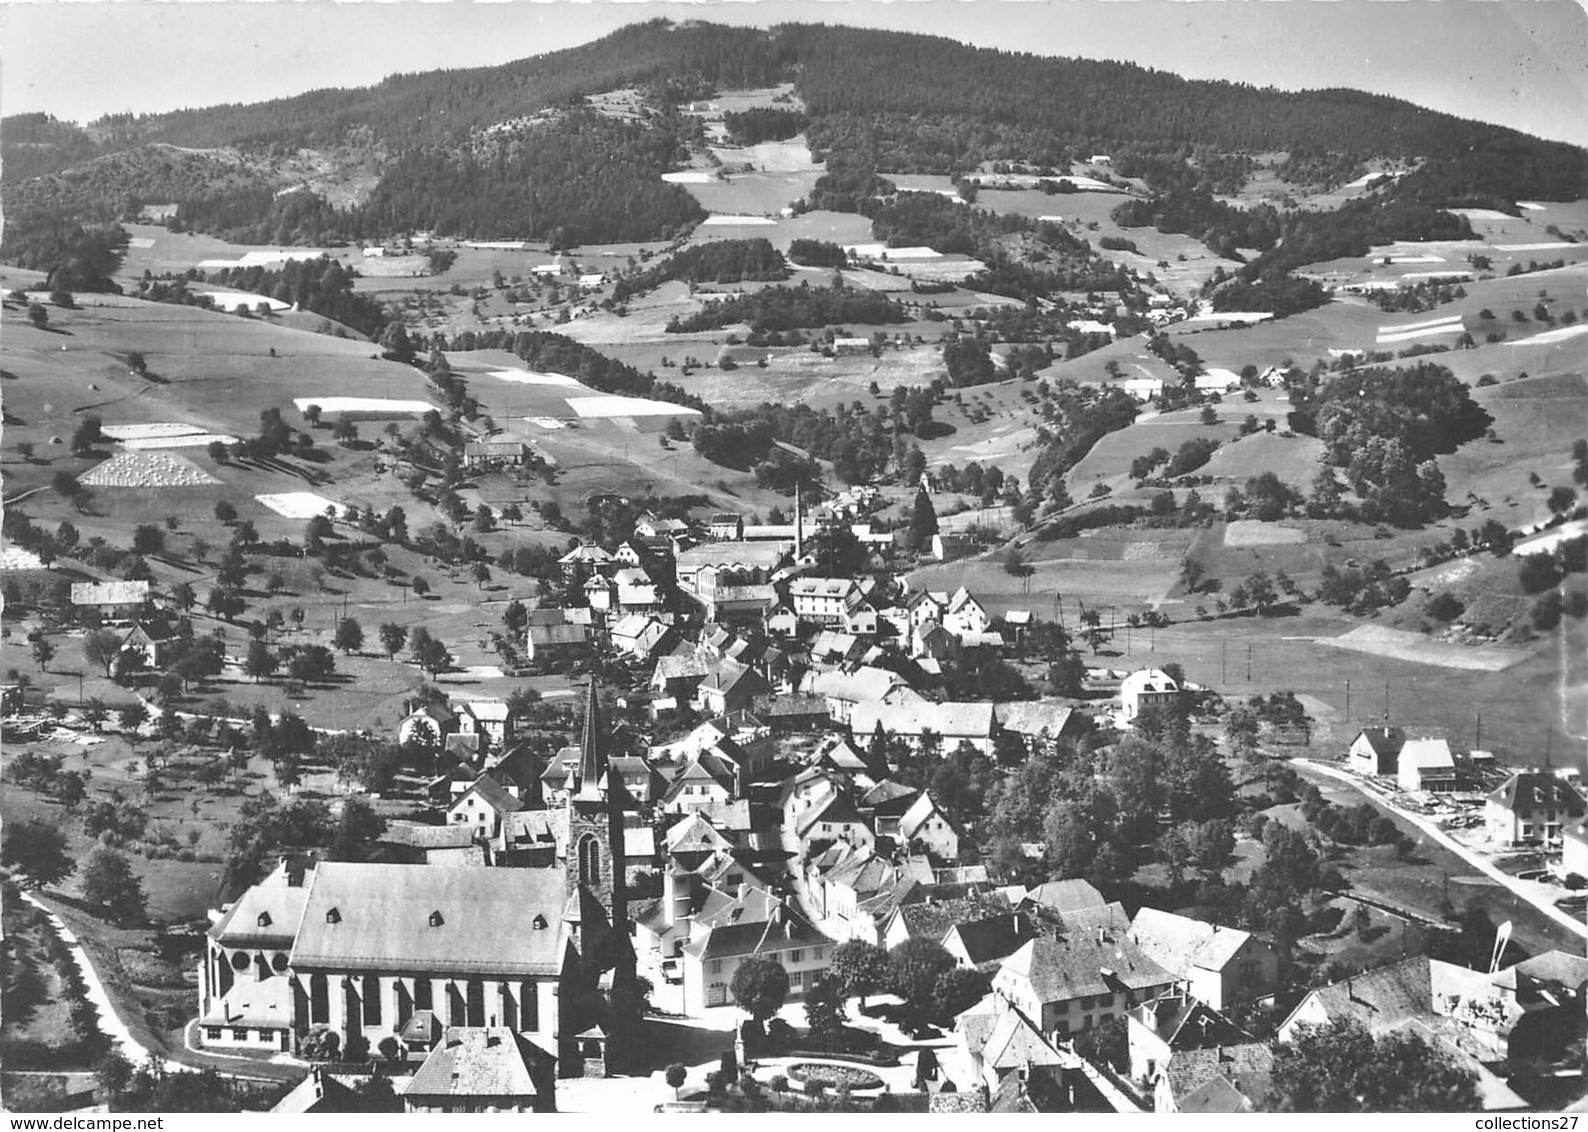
point(413, 918)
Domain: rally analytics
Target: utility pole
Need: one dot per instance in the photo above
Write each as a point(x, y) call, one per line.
point(1248, 662)
point(1348, 703)
point(1224, 676)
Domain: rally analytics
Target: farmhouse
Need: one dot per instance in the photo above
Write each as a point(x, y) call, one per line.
point(1143, 388)
point(947, 548)
point(112, 600)
point(1532, 806)
point(556, 644)
point(949, 724)
point(851, 347)
point(495, 453)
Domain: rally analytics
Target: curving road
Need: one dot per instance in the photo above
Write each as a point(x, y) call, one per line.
point(1522, 891)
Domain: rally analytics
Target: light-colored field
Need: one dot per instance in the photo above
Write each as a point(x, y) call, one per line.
point(379, 407)
point(1547, 246)
point(242, 300)
point(688, 177)
point(1400, 645)
point(147, 469)
point(532, 377)
point(1251, 532)
point(612, 406)
point(1479, 213)
point(1549, 540)
point(738, 222)
point(1550, 337)
point(186, 440)
point(298, 504)
point(885, 253)
point(1243, 317)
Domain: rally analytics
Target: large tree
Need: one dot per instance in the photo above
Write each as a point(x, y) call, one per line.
point(861, 968)
point(100, 647)
point(1341, 1067)
point(35, 852)
point(916, 966)
point(759, 987)
point(109, 883)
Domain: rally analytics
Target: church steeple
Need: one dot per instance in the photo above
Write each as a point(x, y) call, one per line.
point(592, 750)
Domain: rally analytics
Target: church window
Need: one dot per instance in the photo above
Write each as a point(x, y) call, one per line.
point(589, 861)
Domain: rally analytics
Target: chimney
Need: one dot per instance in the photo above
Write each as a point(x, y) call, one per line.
point(743, 890)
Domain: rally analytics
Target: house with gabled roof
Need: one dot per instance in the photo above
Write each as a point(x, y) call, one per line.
point(949, 724)
point(1146, 688)
point(640, 636)
point(1222, 966)
point(562, 643)
point(715, 952)
point(835, 818)
point(886, 803)
point(151, 643)
point(483, 1069)
point(965, 615)
point(1073, 981)
point(935, 918)
point(427, 725)
point(702, 781)
point(1532, 806)
point(483, 807)
point(112, 600)
point(1063, 896)
point(729, 687)
point(583, 561)
point(1376, 751)
point(925, 827)
point(845, 691)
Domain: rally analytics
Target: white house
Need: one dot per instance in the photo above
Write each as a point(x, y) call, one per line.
point(1145, 688)
point(1376, 751)
point(1532, 806)
point(924, 824)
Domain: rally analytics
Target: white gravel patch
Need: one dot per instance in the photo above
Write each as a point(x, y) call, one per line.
point(612, 406)
point(374, 406)
point(547, 422)
point(245, 300)
point(298, 504)
point(147, 469)
point(141, 242)
point(1232, 316)
point(738, 222)
point(1400, 645)
point(1445, 320)
point(688, 177)
point(1530, 206)
point(1481, 213)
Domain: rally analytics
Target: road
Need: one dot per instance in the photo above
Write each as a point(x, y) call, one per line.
point(1522, 890)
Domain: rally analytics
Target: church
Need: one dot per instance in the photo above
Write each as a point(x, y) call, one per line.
point(386, 956)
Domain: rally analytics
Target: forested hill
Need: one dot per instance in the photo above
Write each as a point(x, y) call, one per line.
point(868, 91)
point(875, 101)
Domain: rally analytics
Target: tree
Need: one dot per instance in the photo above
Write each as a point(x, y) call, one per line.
point(515, 617)
point(38, 315)
point(915, 966)
point(225, 512)
point(148, 539)
point(432, 655)
point(392, 638)
point(825, 1012)
point(100, 647)
point(349, 635)
point(109, 883)
point(759, 987)
point(86, 436)
point(958, 990)
point(36, 853)
point(311, 413)
point(133, 716)
point(1341, 1067)
point(861, 968)
point(260, 663)
point(183, 597)
point(675, 1077)
point(43, 652)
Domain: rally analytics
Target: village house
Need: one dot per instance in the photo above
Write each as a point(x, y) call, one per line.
point(1221, 966)
point(113, 601)
point(640, 637)
point(965, 616)
point(1190, 1058)
point(835, 818)
point(1532, 807)
point(153, 647)
point(1069, 983)
point(483, 807)
point(552, 646)
point(947, 548)
point(1376, 751)
point(584, 560)
point(822, 601)
point(729, 687)
point(426, 725)
point(851, 347)
point(483, 1069)
point(703, 781)
point(1146, 688)
point(936, 918)
point(925, 828)
point(710, 960)
point(885, 803)
point(654, 527)
point(635, 590)
point(489, 719)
